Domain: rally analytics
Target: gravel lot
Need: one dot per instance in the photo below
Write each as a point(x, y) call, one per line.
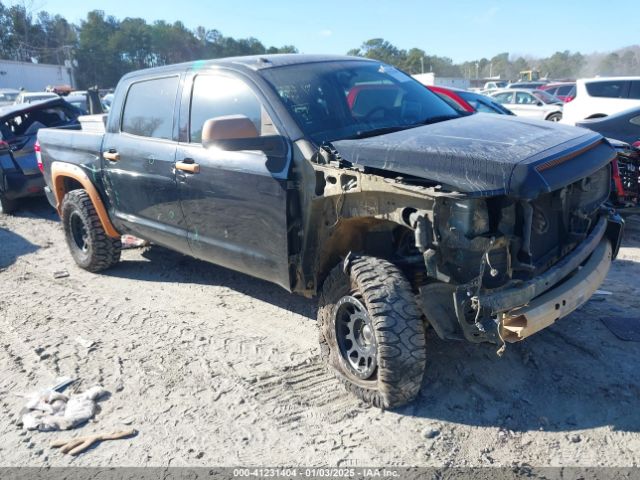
point(217, 368)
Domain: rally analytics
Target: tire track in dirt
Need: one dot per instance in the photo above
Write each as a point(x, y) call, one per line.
point(216, 368)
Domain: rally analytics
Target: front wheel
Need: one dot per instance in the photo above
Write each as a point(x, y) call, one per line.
point(90, 246)
point(554, 117)
point(371, 332)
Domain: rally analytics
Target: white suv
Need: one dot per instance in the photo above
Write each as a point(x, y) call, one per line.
point(599, 97)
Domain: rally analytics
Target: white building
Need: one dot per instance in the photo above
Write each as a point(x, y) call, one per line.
point(33, 77)
point(431, 79)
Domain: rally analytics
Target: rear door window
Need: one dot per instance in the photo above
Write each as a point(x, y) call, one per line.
point(523, 98)
point(564, 90)
point(634, 90)
point(481, 107)
point(148, 109)
point(452, 103)
point(607, 89)
point(506, 97)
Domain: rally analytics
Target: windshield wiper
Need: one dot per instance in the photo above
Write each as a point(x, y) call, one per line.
point(396, 128)
point(443, 118)
point(378, 131)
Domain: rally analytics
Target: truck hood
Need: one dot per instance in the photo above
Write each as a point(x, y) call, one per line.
point(485, 154)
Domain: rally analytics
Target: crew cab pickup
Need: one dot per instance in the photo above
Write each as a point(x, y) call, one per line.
point(345, 178)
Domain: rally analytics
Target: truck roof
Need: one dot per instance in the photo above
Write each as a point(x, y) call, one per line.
point(252, 62)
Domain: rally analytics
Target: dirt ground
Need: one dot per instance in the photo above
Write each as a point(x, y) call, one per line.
point(217, 368)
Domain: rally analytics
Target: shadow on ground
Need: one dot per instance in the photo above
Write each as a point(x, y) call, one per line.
point(574, 375)
point(13, 246)
point(164, 265)
point(35, 207)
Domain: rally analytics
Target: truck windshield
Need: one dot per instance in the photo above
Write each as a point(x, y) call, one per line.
point(336, 100)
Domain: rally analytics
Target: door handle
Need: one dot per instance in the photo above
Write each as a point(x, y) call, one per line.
point(188, 165)
point(111, 155)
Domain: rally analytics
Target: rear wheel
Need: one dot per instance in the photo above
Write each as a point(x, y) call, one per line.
point(555, 117)
point(90, 246)
point(7, 206)
point(371, 332)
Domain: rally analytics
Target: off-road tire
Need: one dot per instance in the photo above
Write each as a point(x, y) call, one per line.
point(398, 329)
point(101, 251)
point(7, 206)
point(554, 117)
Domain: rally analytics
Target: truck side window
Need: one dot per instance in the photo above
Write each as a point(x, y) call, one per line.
point(220, 95)
point(148, 109)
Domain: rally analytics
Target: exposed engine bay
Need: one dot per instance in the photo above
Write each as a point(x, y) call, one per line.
point(473, 260)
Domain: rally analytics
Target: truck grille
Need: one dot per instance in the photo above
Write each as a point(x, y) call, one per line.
point(562, 218)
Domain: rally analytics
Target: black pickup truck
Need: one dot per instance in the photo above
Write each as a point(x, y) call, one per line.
point(345, 178)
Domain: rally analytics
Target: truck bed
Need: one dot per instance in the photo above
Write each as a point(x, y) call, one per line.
point(72, 145)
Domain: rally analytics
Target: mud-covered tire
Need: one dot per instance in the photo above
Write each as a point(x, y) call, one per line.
point(7, 206)
point(398, 330)
point(94, 250)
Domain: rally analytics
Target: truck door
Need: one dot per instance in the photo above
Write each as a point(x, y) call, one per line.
point(138, 162)
point(234, 197)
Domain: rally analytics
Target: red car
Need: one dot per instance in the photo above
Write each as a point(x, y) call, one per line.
point(465, 101)
point(565, 91)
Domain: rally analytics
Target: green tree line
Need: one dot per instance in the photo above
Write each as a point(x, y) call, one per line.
point(560, 65)
point(102, 48)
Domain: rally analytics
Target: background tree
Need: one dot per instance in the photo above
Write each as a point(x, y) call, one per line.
point(104, 48)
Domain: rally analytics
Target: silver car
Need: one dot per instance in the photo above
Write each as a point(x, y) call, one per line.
point(528, 103)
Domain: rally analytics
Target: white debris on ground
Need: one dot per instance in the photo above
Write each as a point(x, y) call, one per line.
point(217, 368)
point(50, 410)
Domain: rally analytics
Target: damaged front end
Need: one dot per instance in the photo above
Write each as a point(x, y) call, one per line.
point(493, 265)
point(506, 268)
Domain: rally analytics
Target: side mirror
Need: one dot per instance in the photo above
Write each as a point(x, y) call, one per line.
point(539, 103)
point(224, 130)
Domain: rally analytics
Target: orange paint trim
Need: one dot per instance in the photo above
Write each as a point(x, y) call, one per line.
point(554, 163)
point(60, 171)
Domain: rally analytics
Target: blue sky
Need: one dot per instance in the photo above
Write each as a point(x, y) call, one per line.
point(460, 29)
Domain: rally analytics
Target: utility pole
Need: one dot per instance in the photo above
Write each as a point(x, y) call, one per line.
point(422, 64)
point(67, 51)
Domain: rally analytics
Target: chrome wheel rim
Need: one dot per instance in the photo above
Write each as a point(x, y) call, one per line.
point(356, 338)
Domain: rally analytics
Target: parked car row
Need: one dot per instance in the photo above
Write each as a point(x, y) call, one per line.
point(565, 91)
point(8, 96)
point(20, 175)
point(465, 101)
point(78, 98)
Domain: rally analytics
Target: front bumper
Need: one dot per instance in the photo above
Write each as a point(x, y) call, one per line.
point(514, 313)
point(558, 302)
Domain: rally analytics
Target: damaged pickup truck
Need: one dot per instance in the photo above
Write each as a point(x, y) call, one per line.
point(345, 178)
